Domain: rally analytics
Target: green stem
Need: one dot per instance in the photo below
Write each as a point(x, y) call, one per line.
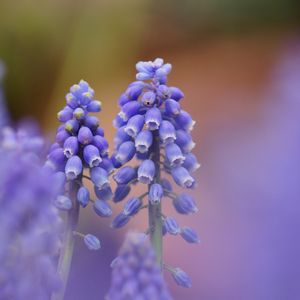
point(66, 254)
point(154, 210)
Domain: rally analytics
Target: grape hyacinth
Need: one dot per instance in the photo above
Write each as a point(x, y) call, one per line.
point(80, 152)
point(135, 273)
point(29, 223)
point(153, 128)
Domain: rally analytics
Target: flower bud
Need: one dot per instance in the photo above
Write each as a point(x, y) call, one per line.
point(181, 278)
point(101, 143)
point(57, 158)
point(174, 155)
point(102, 208)
point(91, 156)
point(166, 184)
point(146, 171)
point(191, 163)
point(135, 125)
point(79, 113)
point(121, 137)
point(70, 146)
point(125, 152)
point(155, 193)
point(184, 204)
point(184, 121)
point(190, 235)
point(171, 226)
point(167, 132)
point(125, 175)
point(94, 106)
point(148, 99)
point(172, 108)
point(61, 136)
point(92, 242)
point(71, 101)
point(99, 177)
point(65, 114)
point(182, 177)
point(72, 126)
point(73, 167)
point(184, 141)
point(121, 192)
point(104, 194)
point(129, 110)
point(153, 118)
point(176, 93)
point(63, 203)
point(132, 206)
point(85, 135)
point(120, 220)
point(91, 122)
point(143, 141)
point(83, 196)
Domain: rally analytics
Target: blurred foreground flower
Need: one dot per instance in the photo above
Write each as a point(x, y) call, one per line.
point(29, 223)
point(136, 274)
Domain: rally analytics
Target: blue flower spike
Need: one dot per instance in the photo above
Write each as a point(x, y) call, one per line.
point(154, 130)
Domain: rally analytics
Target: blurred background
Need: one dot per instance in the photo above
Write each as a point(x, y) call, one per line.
point(238, 63)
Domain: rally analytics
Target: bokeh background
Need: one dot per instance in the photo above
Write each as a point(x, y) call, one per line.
point(238, 63)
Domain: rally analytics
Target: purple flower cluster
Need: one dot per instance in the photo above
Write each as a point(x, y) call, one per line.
point(29, 223)
point(153, 127)
point(135, 273)
point(80, 144)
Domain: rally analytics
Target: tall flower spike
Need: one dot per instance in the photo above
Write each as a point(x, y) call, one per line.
point(80, 149)
point(154, 128)
point(28, 245)
point(136, 274)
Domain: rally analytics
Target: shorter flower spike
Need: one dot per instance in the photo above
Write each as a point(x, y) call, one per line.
point(135, 274)
point(92, 242)
point(181, 278)
point(190, 235)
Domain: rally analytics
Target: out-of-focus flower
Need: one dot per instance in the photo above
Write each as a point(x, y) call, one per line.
point(29, 223)
point(136, 274)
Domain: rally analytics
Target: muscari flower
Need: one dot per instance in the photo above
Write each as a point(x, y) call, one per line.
point(135, 274)
point(151, 114)
point(29, 223)
point(80, 146)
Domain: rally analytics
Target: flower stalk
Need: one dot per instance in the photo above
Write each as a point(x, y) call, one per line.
point(154, 209)
point(66, 253)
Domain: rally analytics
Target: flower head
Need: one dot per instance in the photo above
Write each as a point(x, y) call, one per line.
point(154, 129)
point(135, 273)
point(29, 225)
point(80, 145)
